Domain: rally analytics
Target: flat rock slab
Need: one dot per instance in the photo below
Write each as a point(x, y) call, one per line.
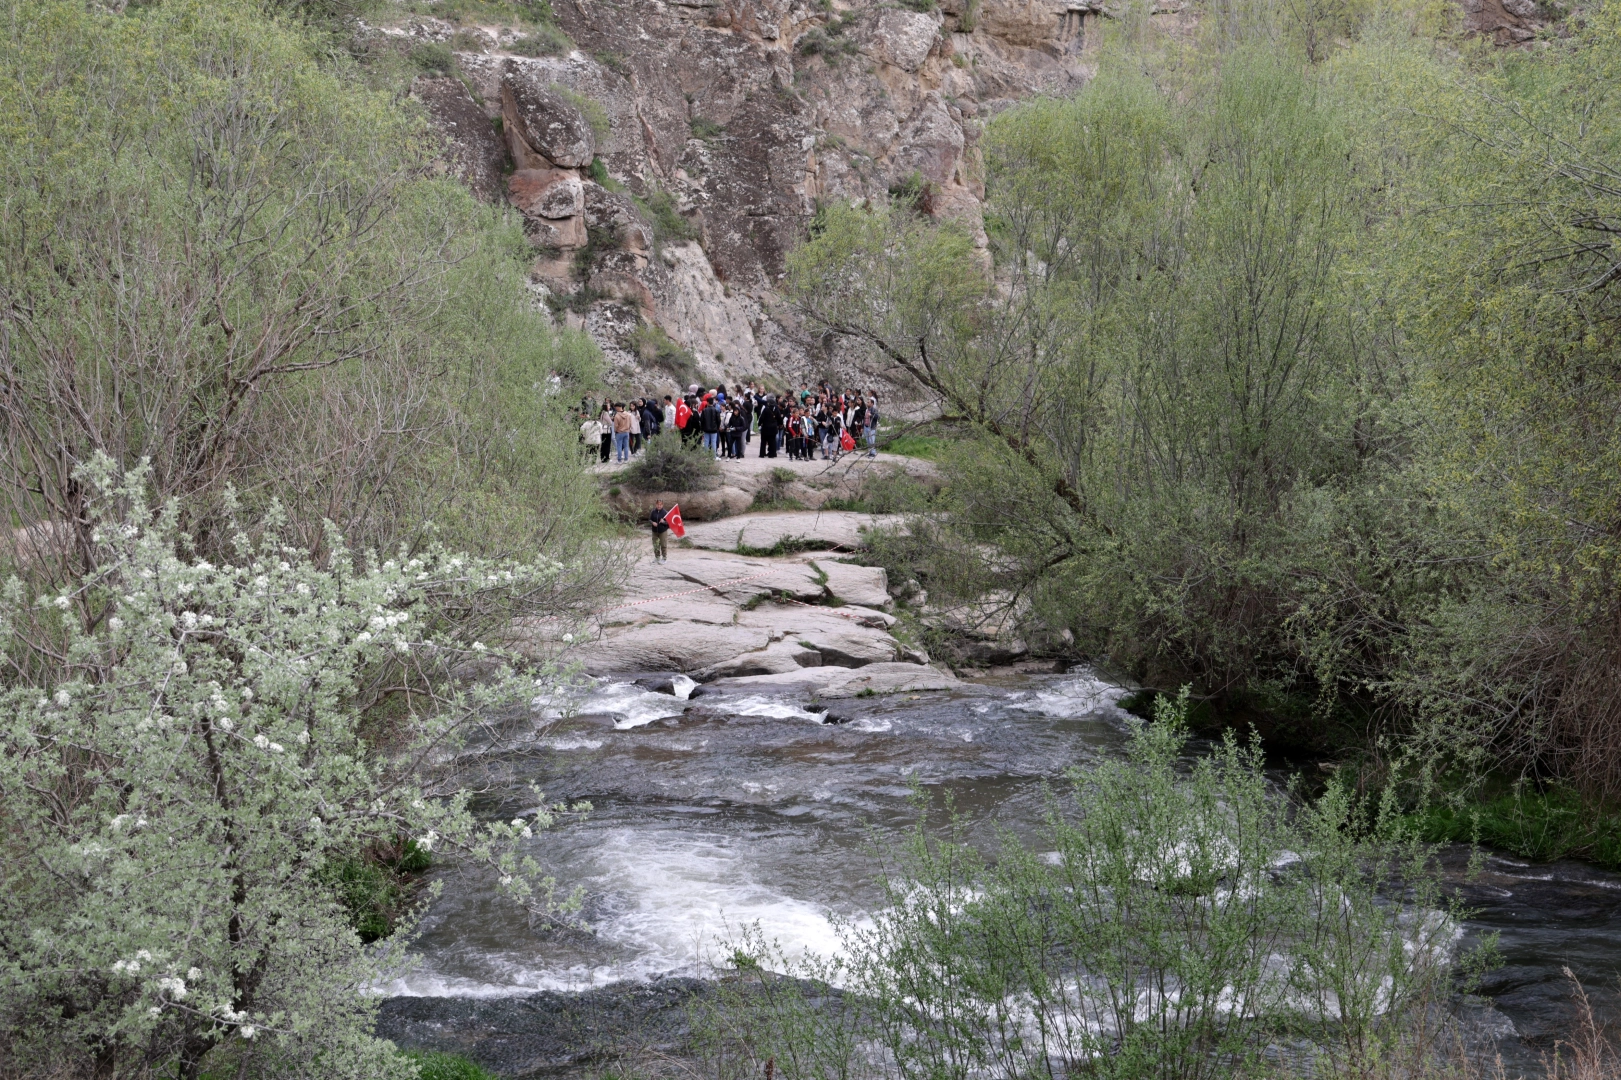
point(840, 529)
point(864, 585)
point(841, 682)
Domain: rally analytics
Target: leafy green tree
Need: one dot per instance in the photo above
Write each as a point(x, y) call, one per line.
point(177, 775)
point(225, 256)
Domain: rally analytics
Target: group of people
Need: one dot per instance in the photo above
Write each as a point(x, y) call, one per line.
point(800, 423)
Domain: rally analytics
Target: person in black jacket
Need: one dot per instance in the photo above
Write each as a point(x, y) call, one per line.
point(660, 527)
point(769, 419)
point(709, 419)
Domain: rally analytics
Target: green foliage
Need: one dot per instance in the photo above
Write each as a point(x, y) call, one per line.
point(920, 5)
point(1541, 825)
point(592, 109)
point(668, 224)
point(543, 40)
point(298, 307)
point(436, 1066)
point(433, 57)
point(186, 739)
point(668, 465)
point(598, 172)
point(1119, 940)
point(653, 346)
point(706, 129)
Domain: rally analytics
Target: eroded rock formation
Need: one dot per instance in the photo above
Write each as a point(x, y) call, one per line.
point(728, 122)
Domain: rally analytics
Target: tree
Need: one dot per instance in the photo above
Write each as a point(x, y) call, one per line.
point(175, 777)
point(224, 256)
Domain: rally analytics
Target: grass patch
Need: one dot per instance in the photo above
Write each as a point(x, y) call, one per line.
point(1537, 825)
point(666, 465)
point(891, 493)
point(788, 545)
point(433, 1065)
point(927, 447)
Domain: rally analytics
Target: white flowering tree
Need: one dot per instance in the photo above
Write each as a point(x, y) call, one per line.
point(182, 750)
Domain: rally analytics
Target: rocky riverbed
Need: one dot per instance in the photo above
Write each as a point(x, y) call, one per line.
point(742, 776)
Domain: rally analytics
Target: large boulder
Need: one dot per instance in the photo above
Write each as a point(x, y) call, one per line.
point(544, 128)
point(930, 145)
point(547, 193)
point(472, 150)
point(904, 38)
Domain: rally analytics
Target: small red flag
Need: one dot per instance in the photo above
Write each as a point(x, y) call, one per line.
point(682, 414)
point(673, 520)
point(847, 441)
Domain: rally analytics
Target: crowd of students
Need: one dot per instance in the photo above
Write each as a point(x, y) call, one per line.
point(801, 424)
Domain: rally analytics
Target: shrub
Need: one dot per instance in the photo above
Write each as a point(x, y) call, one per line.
point(433, 56)
point(668, 224)
point(667, 465)
point(1170, 922)
point(653, 346)
point(706, 129)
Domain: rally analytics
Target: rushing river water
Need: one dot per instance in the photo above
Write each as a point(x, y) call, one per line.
point(736, 808)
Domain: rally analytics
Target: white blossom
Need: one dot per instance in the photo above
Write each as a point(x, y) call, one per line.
point(276, 748)
point(261, 742)
point(115, 624)
point(62, 602)
point(63, 699)
point(249, 1031)
point(174, 987)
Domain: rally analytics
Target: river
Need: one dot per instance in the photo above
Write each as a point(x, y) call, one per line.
point(736, 809)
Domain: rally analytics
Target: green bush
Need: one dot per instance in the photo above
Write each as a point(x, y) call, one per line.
point(667, 465)
point(706, 129)
point(668, 224)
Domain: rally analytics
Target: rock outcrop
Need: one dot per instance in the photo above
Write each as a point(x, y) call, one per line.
point(666, 166)
point(728, 123)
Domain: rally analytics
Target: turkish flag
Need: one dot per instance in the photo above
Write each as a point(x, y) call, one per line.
point(673, 520)
point(682, 414)
point(847, 441)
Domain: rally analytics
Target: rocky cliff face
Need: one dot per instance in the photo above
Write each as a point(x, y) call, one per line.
point(666, 165)
point(668, 162)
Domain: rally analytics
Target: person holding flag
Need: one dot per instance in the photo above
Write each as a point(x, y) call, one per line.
point(664, 521)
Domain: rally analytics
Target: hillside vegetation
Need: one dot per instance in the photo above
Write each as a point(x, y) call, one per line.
point(1296, 379)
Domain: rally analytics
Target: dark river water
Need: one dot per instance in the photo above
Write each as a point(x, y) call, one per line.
point(737, 809)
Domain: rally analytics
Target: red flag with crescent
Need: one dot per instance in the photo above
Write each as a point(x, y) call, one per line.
point(673, 520)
